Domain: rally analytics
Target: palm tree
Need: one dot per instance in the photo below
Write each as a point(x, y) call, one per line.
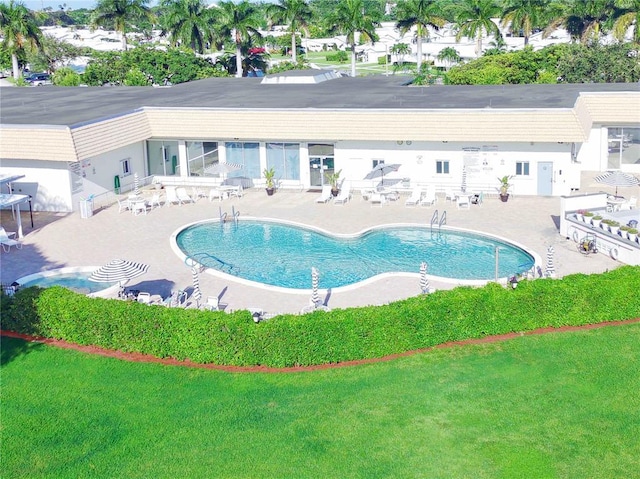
point(187, 22)
point(350, 18)
point(449, 55)
point(240, 20)
point(294, 13)
point(119, 13)
point(19, 31)
point(421, 14)
point(474, 17)
point(630, 15)
point(583, 20)
point(524, 15)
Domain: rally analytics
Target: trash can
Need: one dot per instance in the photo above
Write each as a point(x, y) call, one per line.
point(86, 208)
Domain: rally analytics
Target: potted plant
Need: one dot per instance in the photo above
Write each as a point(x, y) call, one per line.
point(586, 216)
point(504, 187)
point(624, 231)
point(632, 233)
point(333, 179)
point(595, 221)
point(580, 215)
point(613, 225)
point(269, 175)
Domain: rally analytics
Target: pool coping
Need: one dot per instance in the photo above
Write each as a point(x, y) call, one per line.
point(351, 287)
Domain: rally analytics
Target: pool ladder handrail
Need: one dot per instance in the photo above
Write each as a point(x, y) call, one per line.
point(439, 220)
point(197, 257)
point(223, 214)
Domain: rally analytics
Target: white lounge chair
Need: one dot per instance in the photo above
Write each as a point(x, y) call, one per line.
point(429, 197)
point(144, 297)
point(325, 195)
point(414, 199)
point(172, 196)
point(154, 202)
point(7, 242)
point(344, 195)
point(463, 201)
point(183, 196)
point(216, 193)
point(377, 199)
point(449, 195)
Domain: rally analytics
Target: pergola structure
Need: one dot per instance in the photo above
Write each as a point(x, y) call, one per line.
point(11, 200)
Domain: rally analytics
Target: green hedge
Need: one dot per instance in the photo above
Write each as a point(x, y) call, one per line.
point(324, 337)
point(339, 56)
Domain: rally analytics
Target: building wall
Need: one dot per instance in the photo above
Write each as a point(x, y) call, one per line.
point(48, 182)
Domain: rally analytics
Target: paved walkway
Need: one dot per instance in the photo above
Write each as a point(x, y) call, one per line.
point(61, 240)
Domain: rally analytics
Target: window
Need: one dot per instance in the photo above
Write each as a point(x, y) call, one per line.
point(442, 167)
point(376, 163)
point(201, 155)
point(623, 146)
point(522, 168)
point(125, 166)
point(245, 154)
point(284, 158)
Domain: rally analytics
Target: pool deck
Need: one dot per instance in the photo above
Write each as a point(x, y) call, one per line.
point(63, 240)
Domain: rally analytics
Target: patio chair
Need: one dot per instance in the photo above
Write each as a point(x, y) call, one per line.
point(429, 197)
point(325, 195)
point(463, 201)
point(182, 195)
point(172, 196)
point(7, 242)
point(414, 199)
point(238, 192)
point(216, 193)
point(139, 207)
point(343, 196)
point(449, 195)
point(123, 205)
point(631, 204)
point(154, 202)
point(377, 199)
point(144, 297)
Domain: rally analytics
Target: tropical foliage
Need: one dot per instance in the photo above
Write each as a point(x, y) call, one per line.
point(20, 33)
point(350, 18)
point(296, 14)
point(475, 17)
point(422, 14)
point(119, 14)
point(187, 22)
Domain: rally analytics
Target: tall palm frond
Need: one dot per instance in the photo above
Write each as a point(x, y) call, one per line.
point(296, 14)
point(421, 14)
point(19, 31)
point(474, 17)
point(119, 14)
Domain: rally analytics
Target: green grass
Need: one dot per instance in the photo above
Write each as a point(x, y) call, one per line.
point(558, 405)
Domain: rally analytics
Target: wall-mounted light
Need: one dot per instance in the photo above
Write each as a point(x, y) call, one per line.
point(399, 142)
point(445, 141)
point(513, 281)
point(409, 142)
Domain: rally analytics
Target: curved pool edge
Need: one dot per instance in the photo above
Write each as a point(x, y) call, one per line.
point(107, 292)
point(351, 287)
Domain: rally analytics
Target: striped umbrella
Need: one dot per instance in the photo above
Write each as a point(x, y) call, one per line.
point(118, 270)
point(424, 281)
point(136, 184)
point(197, 294)
point(315, 279)
point(550, 271)
point(463, 186)
point(618, 179)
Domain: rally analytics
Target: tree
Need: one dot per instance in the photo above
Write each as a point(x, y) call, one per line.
point(20, 32)
point(449, 55)
point(629, 16)
point(296, 14)
point(400, 50)
point(349, 18)
point(240, 20)
point(523, 16)
point(119, 14)
point(473, 18)
point(421, 14)
point(53, 54)
point(187, 22)
point(65, 76)
point(585, 21)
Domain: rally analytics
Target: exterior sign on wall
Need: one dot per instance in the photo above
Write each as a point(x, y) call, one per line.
point(76, 177)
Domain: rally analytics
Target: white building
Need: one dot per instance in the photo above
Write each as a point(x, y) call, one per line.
point(72, 142)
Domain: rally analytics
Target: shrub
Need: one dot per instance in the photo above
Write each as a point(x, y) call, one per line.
point(324, 337)
point(339, 56)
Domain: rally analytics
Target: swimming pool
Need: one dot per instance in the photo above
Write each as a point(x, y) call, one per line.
point(73, 278)
point(281, 254)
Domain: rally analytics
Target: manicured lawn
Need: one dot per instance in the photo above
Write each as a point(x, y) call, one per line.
point(557, 405)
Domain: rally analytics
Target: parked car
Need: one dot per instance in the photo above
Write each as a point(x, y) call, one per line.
point(38, 79)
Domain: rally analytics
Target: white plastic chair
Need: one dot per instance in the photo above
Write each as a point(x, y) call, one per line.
point(325, 195)
point(429, 197)
point(377, 199)
point(7, 242)
point(213, 303)
point(344, 195)
point(144, 297)
point(216, 193)
point(139, 207)
point(463, 201)
point(238, 192)
point(449, 195)
point(172, 196)
point(182, 195)
point(155, 202)
point(123, 205)
point(415, 198)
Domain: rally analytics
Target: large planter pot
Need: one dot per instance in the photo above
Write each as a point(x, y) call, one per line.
point(633, 237)
point(595, 223)
point(614, 229)
point(579, 217)
point(504, 198)
point(335, 192)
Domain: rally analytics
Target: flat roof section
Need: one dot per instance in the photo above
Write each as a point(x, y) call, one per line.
point(69, 106)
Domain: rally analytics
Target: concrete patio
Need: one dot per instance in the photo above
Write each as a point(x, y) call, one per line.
point(62, 240)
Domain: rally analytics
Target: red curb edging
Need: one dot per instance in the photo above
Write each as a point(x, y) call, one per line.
point(147, 358)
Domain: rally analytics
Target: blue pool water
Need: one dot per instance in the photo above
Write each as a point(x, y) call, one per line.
point(78, 282)
point(282, 255)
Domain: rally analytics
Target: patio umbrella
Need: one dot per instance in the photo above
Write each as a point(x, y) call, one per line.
point(463, 186)
point(380, 170)
point(118, 270)
point(315, 278)
point(222, 169)
point(424, 281)
point(136, 185)
point(618, 179)
point(197, 294)
point(388, 182)
point(550, 270)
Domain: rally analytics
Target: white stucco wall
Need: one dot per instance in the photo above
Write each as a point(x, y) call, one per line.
point(48, 182)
